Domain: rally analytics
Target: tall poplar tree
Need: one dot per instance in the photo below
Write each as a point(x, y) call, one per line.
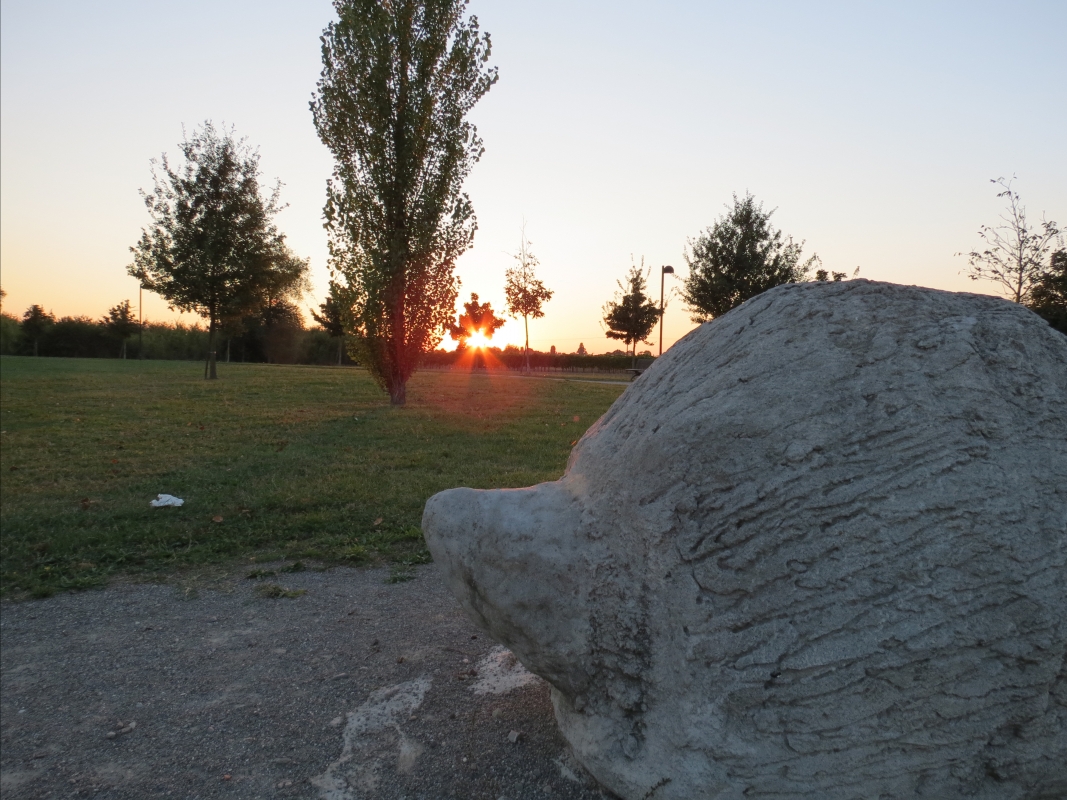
point(398, 79)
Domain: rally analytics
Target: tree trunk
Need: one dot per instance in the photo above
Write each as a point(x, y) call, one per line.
point(228, 340)
point(526, 325)
point(210, 372)
point(123, 349)
point(340, 348)
point(35, 348)
point(398, 369)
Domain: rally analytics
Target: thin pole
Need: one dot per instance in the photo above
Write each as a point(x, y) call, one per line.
point(662, 277)
point(140, 322)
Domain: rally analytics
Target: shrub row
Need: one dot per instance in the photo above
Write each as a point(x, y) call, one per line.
point(84, 337)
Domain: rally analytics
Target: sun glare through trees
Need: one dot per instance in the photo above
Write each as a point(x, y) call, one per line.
point(478, 340)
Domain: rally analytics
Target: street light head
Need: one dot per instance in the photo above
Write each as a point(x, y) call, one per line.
point(668, 270)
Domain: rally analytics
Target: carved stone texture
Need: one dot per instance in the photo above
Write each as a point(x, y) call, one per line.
point(816, 551)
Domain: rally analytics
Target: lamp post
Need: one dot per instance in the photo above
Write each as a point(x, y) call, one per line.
point(662, 276)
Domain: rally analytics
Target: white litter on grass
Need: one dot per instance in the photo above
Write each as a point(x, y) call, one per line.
point(500, 672)
point(164, 500)
point(364, 743)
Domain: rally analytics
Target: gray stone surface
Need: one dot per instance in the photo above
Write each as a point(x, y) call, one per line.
point(816, 551)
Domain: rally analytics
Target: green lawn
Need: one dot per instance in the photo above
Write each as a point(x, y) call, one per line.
point(297, 462)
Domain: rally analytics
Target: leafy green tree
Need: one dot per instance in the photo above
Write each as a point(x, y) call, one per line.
point(1048, 295)
point(398, 80)
point(631, 315)
point(212, 246)
point(9, 329)
point(740, 256)
point(332, 321)
point(823, 276)
point(282, 286)
point(282, 325)
point(1015, 251)
point(10, 334)
point(121, 323)
point(36, 322)
point(524, 293)
point(477, 318)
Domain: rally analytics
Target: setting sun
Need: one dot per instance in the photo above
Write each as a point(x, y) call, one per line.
point(477, 340)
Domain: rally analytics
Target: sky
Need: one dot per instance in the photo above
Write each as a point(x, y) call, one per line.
point(617, 132)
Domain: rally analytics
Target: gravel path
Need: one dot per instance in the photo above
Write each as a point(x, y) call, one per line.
point(355, 689)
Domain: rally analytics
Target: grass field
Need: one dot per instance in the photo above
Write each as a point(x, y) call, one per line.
point(272, 462)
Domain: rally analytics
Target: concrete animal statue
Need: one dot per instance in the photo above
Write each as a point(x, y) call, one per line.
point(817, 550)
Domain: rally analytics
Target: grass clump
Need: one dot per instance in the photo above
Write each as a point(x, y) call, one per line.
point(86, 444)
point(258, 574)
point(356, 554)
point(400, 573)
point(273, 591)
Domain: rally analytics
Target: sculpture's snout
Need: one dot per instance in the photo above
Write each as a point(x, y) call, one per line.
point(511, 558)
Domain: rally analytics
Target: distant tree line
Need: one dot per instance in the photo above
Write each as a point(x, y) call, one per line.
point(257, 340)
point(85, 337)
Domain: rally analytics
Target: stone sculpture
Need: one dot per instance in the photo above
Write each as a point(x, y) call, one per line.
point(816, 551)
